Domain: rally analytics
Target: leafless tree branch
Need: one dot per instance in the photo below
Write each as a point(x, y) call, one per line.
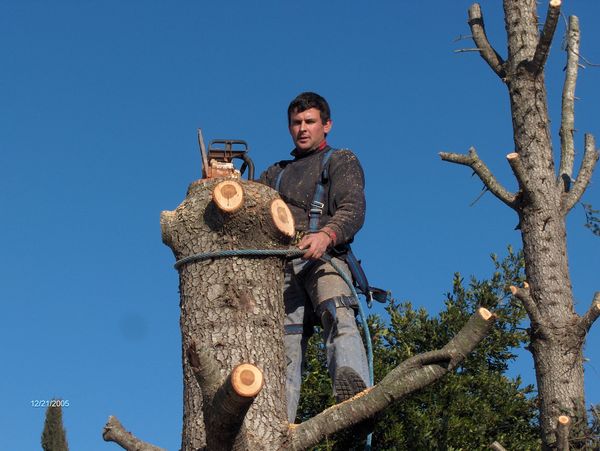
point(472, 160)
point(567, 125)
point(543, 47)
point(406, 378)
point(590, 157)
point(487, 52)
point(467, 50)
point(592, 314)
point(460, 37)
point(115, 432)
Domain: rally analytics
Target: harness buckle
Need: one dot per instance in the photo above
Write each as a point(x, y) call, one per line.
point(316, 207)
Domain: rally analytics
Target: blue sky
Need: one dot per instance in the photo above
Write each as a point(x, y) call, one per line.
point(99, 106)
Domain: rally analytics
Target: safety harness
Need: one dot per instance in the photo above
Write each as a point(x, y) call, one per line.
point(344, 251)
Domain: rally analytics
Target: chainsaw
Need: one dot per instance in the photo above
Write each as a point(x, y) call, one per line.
point(218, 161)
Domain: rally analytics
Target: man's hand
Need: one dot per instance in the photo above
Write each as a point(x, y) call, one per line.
point(315, 244)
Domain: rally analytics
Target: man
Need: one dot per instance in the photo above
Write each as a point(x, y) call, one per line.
point(312, 287)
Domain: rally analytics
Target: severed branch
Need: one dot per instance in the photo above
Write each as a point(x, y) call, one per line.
point(413, 374)
point(472, 160)
point(228, 408)
point(567, 123)
point(543, 47)
point(518, 169)
point(226, 401)
point(592, 314)
point(486, 51)
point(497, 447)
point(524, 295)
point(562, 433)
point(590, 157)
point(115, 432)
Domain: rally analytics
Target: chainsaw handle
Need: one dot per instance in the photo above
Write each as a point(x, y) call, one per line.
point(247, 163)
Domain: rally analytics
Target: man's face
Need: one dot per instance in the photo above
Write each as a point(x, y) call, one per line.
point(307, 129)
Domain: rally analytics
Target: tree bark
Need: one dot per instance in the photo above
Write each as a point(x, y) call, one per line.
point(557, 331)
point(231, 308)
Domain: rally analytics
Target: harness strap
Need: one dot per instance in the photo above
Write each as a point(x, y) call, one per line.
point(293, 329)
point(278, 180)
point(317, 204)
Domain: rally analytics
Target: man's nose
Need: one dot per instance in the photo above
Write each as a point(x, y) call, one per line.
point(302, 126)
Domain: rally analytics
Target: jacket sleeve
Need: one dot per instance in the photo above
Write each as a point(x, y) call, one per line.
point(346, 201)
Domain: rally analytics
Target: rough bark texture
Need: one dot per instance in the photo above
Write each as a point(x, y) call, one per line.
point(231, 308)
point(557, 331)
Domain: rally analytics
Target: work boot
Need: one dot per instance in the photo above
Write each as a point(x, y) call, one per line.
point(347, 384)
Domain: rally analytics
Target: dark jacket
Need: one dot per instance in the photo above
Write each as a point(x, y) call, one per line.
point(344, 210)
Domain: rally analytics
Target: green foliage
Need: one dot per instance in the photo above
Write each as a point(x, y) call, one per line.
point(466, 410)
point(592, 221)
point(54, 436)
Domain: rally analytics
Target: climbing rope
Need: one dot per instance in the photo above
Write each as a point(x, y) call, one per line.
point(294, 253)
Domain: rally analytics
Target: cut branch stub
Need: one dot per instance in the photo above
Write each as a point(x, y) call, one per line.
point(485, 313)
point(543, 47)
point(226, 412)
point(282, 218)
point(228, 196)
point(517, 166)
point(562, 433)
point(246, 380)
point(497, 447)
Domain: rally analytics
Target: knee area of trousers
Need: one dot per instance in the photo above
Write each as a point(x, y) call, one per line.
point(336, 309)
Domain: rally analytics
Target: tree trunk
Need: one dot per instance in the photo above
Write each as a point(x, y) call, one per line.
point(556, 342)
point(231, 308)
point(542, 203)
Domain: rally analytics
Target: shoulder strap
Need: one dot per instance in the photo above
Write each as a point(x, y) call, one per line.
point(317, 204)
point(278, 179)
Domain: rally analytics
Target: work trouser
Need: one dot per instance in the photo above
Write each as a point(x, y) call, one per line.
point(315, 287)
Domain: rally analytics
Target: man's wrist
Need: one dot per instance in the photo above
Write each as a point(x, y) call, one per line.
point(330, 233)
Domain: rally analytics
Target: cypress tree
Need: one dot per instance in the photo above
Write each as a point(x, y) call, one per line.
point(54, 437)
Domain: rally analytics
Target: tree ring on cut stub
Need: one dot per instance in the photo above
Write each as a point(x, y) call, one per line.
point(282, 218)
point(246, 380)
point(228, 196)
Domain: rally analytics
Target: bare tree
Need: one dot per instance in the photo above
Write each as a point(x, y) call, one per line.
point(232, 329)
point(542, 202)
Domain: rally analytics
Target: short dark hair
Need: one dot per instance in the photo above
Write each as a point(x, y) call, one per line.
point(306, 101)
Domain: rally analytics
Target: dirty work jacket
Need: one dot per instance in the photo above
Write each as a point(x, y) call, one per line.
point(344, 210)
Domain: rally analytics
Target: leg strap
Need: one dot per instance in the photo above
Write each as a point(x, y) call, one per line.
point(330, 305)
point(293, 329)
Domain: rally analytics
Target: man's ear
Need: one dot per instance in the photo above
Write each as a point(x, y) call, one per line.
point(327, 126)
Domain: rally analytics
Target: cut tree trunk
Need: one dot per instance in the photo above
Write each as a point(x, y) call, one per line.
point(231, 308)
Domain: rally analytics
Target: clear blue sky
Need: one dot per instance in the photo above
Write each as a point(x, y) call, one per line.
point(99, 106)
